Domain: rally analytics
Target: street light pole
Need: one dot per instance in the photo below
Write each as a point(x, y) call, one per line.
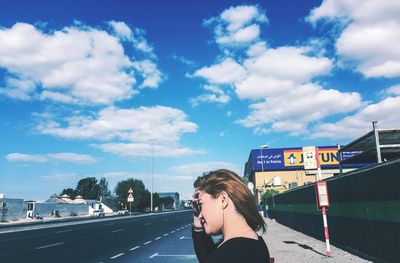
point(264, 146)
point(152, 171)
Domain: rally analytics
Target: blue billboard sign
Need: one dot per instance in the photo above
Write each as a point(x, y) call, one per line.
point(292, 158)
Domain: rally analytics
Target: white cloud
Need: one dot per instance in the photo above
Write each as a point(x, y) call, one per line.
point(237, 25)
point(183, 60)
point(42, 158)
point(121, 29)
point(78, 64)
point(360, 123)
point(356, 10)
point(152, 77)
point(198, 169)
point(130, 130)
point(276, 71)
point(244, 35)
point(281, 82)
point(136, 37)
point(18, 88)
point(295, 110)
point(290, 63)
point(393, 90)
point(282, 79)
point(139, 124)
point(226, 72)
point(26, 158)
point(145, 149)
point(371, 35)
point(217, 95)
point(73, 158)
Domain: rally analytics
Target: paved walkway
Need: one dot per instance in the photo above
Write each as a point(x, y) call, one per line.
point(288, 245)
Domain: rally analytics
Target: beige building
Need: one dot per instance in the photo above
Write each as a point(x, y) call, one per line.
point(283, 168)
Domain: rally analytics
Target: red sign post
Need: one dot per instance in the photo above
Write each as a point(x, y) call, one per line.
point(321, 191)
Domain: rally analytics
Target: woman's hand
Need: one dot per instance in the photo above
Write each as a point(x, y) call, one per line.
point(196, 211)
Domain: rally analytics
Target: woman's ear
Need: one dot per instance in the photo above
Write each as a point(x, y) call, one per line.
point(224, 200)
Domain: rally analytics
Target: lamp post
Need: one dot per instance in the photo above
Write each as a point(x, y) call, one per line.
point(264, 146)
point(152, 170)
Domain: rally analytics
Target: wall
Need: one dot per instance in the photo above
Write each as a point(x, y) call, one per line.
point(364, 215)
point(64, 210)
point(14, 208)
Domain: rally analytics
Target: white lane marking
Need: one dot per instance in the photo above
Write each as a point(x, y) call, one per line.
point(134, 248)
point(186, 256)
point(177, 229)
point(157, 238)
point(152, 256)
point(165, 235)
point(51, 245)
point(116, 256)
point(172, 232)
point(147, 224)
point(63, 231)
point(148, 242)
point(183, 237)
point(117, 230)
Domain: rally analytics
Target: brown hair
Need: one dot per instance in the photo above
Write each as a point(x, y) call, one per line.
point(221, 180)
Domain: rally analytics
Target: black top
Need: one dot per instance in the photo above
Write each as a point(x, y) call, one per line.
point(235, 250)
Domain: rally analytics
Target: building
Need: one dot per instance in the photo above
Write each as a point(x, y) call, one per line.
point(283, 168)
point(174, 196)
point(57, 206)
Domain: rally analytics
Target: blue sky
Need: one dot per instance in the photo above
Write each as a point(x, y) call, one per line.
point(85, 86)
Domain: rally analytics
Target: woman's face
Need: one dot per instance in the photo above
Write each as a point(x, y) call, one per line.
point(211, 215)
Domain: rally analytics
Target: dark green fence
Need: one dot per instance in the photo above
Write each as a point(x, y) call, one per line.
point(364, 215)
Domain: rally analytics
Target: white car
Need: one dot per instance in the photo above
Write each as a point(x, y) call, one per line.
point(123, 212)
point(99, 213)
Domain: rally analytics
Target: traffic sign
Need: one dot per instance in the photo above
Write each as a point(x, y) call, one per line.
point(130, 191)
point(130, 198)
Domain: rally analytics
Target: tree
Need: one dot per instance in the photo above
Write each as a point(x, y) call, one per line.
point(139, 193)
point(268, 193)
point(70, 192)
point(104, 191)
point(88, 188)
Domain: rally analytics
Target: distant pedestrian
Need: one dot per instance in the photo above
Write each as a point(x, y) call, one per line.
point(261, 208)
point(224, 205)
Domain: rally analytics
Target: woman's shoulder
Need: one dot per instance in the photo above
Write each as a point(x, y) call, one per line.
point(239, 248)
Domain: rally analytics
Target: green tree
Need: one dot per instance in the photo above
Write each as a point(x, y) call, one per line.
point(145, 201)
point(103, 184)
point(88, 188)
point(269, 193)
point(139, 193)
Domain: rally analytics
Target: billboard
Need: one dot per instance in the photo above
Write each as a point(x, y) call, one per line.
point(292, 158)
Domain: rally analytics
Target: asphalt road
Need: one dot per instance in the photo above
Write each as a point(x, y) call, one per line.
point(151, 238)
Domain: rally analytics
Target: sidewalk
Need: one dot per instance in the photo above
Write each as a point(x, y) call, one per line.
point(288, 245)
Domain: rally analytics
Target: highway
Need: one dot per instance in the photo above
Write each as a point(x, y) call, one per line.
point(155, 238)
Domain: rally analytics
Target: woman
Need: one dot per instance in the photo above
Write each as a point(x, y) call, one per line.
point(224, 205)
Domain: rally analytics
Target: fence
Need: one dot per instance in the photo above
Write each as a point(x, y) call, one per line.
point(364, 215)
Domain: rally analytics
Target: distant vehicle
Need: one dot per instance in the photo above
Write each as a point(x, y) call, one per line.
point(123, 212)
point(99, 213)
point(37, 216)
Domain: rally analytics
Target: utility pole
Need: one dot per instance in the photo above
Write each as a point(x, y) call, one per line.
point(152, 171)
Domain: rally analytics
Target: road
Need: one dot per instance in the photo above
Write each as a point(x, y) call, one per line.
point(151, 238)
